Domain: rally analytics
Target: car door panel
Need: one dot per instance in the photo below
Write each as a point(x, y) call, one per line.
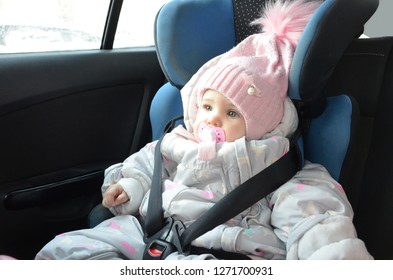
point(64, 118)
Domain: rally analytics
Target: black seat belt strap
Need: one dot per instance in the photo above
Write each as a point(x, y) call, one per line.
point(154, 221)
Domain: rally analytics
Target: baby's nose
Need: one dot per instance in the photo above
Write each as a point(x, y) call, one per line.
point(214, 120)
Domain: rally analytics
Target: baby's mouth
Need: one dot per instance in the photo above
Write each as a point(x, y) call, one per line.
point(207, 133)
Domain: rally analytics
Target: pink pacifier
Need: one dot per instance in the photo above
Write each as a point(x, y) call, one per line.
point(208, 134)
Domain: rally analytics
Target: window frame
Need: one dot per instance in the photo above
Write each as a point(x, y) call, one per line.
point(111, 22)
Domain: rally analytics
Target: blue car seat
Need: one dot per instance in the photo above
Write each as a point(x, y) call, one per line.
point(183, 28)
point(181, 41)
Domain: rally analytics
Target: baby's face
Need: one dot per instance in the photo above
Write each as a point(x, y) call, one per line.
point(217, 111)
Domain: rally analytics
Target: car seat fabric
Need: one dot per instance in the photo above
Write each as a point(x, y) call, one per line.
point(336, 122)
point(166, 105)
point(186, 32)
point(324, 40)
point(315, 58)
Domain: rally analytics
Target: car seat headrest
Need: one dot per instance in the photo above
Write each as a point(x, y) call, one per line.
point(189, 33)
point(334, 25)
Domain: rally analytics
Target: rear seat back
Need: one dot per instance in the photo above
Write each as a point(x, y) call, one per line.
point(366, 73)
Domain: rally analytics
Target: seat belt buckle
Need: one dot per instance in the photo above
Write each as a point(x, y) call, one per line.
point(165, 242)
point(158, 250)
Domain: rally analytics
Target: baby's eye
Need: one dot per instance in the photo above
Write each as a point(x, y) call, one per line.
point(207, 107)
point(232, 114)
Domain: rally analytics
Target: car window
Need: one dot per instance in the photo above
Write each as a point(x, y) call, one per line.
point(48, 25)
point(136, 23)
point(381, 23)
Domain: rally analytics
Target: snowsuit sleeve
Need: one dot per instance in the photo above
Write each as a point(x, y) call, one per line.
point(134, 175)
point(313, 217)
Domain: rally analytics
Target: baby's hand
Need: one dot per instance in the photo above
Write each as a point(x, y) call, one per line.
point(114, 195)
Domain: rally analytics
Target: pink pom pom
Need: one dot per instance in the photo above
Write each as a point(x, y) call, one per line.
point(286, 19)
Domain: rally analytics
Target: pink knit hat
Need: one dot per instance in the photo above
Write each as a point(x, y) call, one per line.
point(254, 74)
